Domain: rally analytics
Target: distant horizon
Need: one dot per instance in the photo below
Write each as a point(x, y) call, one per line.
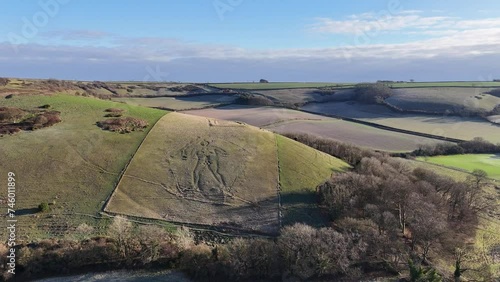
point(222, 40)
point(257, 81)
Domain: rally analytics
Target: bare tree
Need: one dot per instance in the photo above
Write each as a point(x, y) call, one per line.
point(476, 181)
point(309, 252)
point(151, 237)
point(427, 224)
point(120, 230)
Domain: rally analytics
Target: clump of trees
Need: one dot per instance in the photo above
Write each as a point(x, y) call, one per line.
point(125, 245)
point(123, 125)
point(411, 211)
point(496, 110)
point(254, 100)
point(186, 88)
point(475, 146)
point(372, 93)
point(4, 81)
point(348, 152)
point(495, 92)
point(300, 252)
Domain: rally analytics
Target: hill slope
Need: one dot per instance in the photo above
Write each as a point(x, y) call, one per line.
point(219, 173)
point(74, 163)
point(302, 169)
point(203, 171)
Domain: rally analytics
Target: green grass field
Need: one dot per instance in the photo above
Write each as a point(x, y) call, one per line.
point(488, 163)
point(73, 163)
point(455, 173)
point(302, 169)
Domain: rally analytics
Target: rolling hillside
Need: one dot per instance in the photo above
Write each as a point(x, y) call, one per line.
point(219, 173)
point(73, 165)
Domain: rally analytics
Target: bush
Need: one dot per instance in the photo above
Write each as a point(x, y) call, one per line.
point(123, 125)
point(11, 115)
point(113, 115)
point(43, 207)
point(114, 110)
point(44, 119)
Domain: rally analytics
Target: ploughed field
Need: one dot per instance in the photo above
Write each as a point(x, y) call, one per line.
point(465, 128)
point(290, 121)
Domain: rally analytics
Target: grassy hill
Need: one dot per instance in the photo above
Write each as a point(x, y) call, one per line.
point(73, 163)
point(219, 173)
point(302, 169)
point(74, 166)
point(203, 171)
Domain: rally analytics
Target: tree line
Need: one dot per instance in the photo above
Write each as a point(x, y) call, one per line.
point(475, 146)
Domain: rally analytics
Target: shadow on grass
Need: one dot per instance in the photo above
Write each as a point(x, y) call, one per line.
point(302, 208)
point(27, 211)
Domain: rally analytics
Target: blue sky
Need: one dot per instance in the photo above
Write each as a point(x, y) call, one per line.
point(245, 40)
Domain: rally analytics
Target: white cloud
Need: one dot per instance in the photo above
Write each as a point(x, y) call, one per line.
point(70, 35)
point(457, 44)
point(449, 41)
point(411, 22)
